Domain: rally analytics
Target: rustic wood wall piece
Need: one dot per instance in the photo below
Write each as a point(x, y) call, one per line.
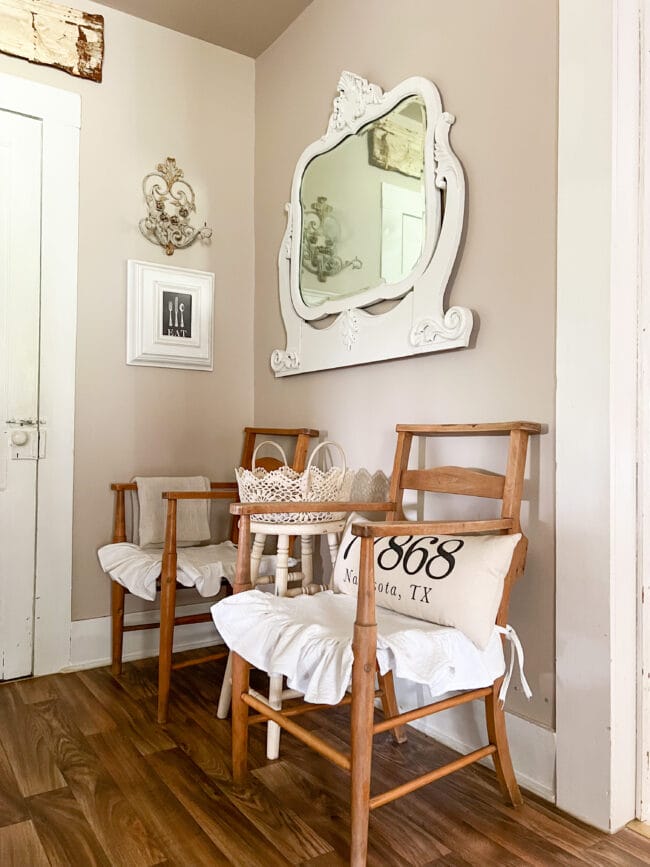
point(53, 35)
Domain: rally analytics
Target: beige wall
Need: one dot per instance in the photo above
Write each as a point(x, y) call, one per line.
point(495, 63)
point(163, 94)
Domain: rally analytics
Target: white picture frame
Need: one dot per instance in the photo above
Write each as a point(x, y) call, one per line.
point(169, 316)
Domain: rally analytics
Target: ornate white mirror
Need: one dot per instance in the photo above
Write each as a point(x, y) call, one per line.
point(373, 230)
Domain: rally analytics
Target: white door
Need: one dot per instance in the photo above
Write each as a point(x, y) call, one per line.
point(20, 278)
point(402, 231)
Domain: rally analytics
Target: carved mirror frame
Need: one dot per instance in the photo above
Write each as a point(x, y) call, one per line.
point(415, 321)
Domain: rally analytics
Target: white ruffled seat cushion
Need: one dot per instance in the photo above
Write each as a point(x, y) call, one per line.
point(201, 567)
point(309, 640)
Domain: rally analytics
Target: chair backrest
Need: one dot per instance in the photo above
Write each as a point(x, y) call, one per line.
point(506, 487)
point(460, 480)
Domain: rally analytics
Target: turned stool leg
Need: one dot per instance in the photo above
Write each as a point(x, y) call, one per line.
point(307, 558)
point(275, 680)
point(256, 556)
point(333, 545)
point(225, 696)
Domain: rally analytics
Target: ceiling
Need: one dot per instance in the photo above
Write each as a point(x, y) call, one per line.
point(246, 26)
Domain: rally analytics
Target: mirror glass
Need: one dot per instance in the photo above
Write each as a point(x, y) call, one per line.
point(363, 208)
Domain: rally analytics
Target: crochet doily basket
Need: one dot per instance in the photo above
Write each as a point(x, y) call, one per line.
point(285, 485)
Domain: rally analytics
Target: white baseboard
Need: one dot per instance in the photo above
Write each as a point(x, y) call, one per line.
point(90, 640)
point(532, 746)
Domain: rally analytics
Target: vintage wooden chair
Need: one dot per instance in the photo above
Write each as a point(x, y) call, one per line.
point(505, 488)
point(167, 582)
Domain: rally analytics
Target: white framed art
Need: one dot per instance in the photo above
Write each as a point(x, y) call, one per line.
point(169, 316)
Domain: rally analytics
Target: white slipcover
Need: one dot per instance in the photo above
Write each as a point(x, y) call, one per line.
point(309, 640)
point(201, 567)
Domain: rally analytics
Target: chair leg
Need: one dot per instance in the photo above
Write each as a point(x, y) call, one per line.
point(240, 683)
point(225, 695)
point(497, 734)
point(273, 730)
point(362, 716)
point(117, 623)
point(167, 615)
point(389, 704)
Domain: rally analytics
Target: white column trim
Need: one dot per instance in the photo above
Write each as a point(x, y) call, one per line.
point(623, 406)
point(643, 644)
point(598, 252)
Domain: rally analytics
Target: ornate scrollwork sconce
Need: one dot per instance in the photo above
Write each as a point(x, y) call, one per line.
point(170, 201)
point(320, 237)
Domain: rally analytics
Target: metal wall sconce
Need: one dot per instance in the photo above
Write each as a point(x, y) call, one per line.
point(170, 201)
point(319, 241)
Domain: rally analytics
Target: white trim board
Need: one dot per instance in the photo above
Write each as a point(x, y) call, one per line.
point(39, 100)
point(532, 746)
point(90, 640)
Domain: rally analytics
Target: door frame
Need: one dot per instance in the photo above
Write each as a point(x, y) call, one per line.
point(60, 114)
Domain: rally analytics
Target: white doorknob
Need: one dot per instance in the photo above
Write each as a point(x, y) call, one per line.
point(19, 437)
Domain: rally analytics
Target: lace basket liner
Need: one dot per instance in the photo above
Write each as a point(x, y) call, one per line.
point(283, 485)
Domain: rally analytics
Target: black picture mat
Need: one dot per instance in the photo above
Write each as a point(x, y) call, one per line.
point(176, 322)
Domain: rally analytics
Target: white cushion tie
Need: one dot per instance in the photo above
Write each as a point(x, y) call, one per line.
point(516, 650)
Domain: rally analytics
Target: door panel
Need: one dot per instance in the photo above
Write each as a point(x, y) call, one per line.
point(20, 266)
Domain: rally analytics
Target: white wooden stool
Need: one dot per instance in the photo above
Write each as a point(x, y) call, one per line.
point(261, 531)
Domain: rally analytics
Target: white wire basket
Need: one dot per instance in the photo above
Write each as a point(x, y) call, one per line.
point(285, 485)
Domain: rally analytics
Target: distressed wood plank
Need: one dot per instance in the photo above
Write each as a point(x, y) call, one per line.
point(53, 35)
point(326, 811)
point(172, 826)
point(33, 689)
point(89, 715)
point(32, 762)
point(120, 831)
point(19, 845)
point(130, 715)
point(63, 830)
point(12, 805)
point(234, 834)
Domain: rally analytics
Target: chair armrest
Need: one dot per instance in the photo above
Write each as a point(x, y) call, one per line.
point(423, 528)
point(199, 495)
point(329, 506)
point(131, 486)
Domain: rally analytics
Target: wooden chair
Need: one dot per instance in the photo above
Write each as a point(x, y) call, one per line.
point(168, 583)
point(506, 488)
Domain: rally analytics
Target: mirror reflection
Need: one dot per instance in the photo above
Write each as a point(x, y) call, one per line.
point(363, 208)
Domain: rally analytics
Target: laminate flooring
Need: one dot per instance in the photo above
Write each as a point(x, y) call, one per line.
point(87, 777)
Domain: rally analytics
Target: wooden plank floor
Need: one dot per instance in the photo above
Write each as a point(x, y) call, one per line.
point(88, 778)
